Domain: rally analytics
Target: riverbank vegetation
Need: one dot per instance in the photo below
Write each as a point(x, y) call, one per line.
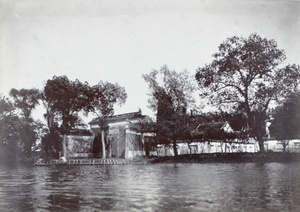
point(243, 80)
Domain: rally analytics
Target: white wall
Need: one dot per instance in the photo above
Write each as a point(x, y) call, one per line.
point(276, 146)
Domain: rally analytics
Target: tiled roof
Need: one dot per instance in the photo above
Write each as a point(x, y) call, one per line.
point(120, 118)
point(80, 132)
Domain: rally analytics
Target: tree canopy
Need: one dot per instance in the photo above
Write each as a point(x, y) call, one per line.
point(65, 98)
point(103, 96)
point(25, 99)
point(286, 123)
point(171, 95)
point(17, 134)
point(179, 86)
point(101, 100)
point(245, 76)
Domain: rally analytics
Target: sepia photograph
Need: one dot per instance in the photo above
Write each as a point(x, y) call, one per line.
point(148, 105)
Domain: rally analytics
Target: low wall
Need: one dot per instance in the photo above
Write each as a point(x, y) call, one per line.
point(205, 147)
point(277, 146)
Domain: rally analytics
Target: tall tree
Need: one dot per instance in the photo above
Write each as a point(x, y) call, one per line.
point(25, 99)
point(286, 123)
point(65, 98)
point(51, 142)
point(147, 126)
point(102, 98)
point(7, 137)
point(171, 95)
point(17, 135)
point(245, 75)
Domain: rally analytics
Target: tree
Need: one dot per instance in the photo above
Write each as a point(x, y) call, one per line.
point(245, 76)
point(6, 107)
point(147, 126)
point(64, 99)
point(101, 100)
point(212, 127)
point(171, 95)
point(7, 136)
point(17, 135)
point(51, 145)
point(51, 142)
point(25, 100)
point(286, 123)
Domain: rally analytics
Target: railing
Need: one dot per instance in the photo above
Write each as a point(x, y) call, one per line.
point(109, 161)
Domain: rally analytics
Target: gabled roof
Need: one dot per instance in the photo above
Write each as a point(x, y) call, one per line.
point(120, 118)
point(80, 132)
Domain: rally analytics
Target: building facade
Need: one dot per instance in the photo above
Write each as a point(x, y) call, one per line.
point(125, 139)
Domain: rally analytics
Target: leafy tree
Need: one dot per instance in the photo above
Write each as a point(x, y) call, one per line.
point(171, 95)
point(286, 123)
point(17, 135)
point(245, 76)
point(51, 145)
point(25, 100)
point(7, 136)
point(6, 107)
point(101, 100)
point(148, 127)
point(209, 127)
point(64, 99)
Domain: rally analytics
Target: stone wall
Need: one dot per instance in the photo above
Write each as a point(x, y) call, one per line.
point(117, 140)
point(79, 146)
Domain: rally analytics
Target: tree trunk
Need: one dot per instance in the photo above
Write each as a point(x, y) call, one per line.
point(103, 145)
point(109, 150)
point(65, 146)
point(261, 145)
point(175, 148)
point(190, 148)
point(285, 144)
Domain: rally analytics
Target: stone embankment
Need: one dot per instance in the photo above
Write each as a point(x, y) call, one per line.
point(88, 161)
point(229, 158)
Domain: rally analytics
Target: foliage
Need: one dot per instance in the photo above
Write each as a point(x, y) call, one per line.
point(101, 100)
point(97, 148)
point(286, 123)
point(171, 124)
point(179, 86)
point(210, 127)
point(51, 145)
point(6, 107)
point(245, 77)
point(17, 134)
point(25, 100)
point(103, 96)
point(65, 98)
point(171, 95)
point(146, 125)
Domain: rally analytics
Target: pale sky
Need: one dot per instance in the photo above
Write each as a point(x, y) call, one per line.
point(118, 41)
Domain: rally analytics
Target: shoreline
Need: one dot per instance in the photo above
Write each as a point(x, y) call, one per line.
point(267, 157)
point(242, 157)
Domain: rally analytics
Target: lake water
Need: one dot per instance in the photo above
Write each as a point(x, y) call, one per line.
point(153, 187)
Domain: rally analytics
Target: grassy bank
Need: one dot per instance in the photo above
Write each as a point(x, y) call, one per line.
point(229, 158)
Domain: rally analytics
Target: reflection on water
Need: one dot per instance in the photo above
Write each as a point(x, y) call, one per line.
point(160, 187)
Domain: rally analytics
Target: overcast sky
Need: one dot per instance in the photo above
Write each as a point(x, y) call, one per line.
point(118, 41)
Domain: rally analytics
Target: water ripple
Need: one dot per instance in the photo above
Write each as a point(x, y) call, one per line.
point(159, 187)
